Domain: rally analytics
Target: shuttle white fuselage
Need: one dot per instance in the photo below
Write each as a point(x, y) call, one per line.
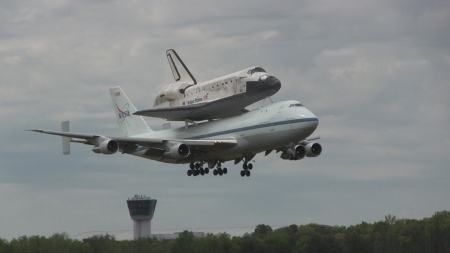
point(221, 97)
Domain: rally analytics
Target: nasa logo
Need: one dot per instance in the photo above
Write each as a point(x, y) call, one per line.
point(124, 113)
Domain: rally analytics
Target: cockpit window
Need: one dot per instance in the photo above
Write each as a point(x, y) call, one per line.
point(256, 70)
point(296, 105)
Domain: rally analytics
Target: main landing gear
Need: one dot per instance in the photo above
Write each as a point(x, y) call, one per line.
point(246, 169)
point(219, 171)
point(197, 169)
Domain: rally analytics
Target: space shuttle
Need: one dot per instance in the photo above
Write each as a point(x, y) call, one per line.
point(222, 97)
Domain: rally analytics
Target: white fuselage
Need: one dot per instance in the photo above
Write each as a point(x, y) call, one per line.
point(226, 86)
point(267, 128)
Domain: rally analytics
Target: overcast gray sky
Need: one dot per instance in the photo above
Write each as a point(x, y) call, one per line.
point(376, 73)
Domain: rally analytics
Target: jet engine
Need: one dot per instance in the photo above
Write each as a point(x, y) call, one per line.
point(107, 147)
point(297, 153)
point(178, 151)
point(313, 149)
point(300, 152)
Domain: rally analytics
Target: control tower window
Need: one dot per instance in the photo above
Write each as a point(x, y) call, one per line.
point(256, 70)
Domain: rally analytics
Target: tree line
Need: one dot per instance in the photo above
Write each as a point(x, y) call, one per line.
point(429, 235)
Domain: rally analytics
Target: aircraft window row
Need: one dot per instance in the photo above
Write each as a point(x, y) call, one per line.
point(296, 105)
point(256, 70)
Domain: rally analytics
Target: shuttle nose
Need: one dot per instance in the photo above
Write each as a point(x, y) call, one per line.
point(266, 85)
point(272, 84)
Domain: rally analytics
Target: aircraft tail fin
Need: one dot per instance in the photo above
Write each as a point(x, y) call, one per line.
point(65, 140)
point(129, 124)
point(179, 70)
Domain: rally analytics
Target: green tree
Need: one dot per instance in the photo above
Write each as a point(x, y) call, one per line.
point(102, 243)
point(184, 243)
point(417, 240)
point(5, 246)
point(207, 244)
point(262, 231)
point(359, 238)
point(225, 243)
point(79, 247)
point(236, 243)
point(438, 227)
point(252, 244)
point(278, 241)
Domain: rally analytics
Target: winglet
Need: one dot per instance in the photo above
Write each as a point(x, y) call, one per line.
point(179, 70)
point(65, 140)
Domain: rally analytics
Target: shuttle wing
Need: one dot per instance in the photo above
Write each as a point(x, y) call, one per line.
point(215, 109)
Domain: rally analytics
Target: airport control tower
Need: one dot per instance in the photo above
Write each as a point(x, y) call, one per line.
point(141, 210)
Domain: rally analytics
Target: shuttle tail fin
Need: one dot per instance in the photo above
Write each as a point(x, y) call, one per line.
point(179, 70)
point(129, 124)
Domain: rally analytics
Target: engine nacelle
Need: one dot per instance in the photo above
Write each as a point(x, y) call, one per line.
point(178, 151)
point(296, 153)
point(313, 149)
point(107, 147)
point(300, 152)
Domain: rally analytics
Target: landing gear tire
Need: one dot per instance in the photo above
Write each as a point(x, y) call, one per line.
point(215, 172)
point(206, 171)
point(197, 165)
point(189, 173)
point(242, 173)
point(224, 170)
point(191, 166)
point(247, 173)
point(250, 166)
point(220, 172)
point(244, 166)
point(196, 172)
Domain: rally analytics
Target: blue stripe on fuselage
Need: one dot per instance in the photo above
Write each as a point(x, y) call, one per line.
point(236, 130)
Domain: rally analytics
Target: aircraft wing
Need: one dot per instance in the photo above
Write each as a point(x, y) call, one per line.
point(129, 143)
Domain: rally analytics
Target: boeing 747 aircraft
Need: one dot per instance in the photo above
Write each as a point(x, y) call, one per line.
point(221, 97)
point(282, 127)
